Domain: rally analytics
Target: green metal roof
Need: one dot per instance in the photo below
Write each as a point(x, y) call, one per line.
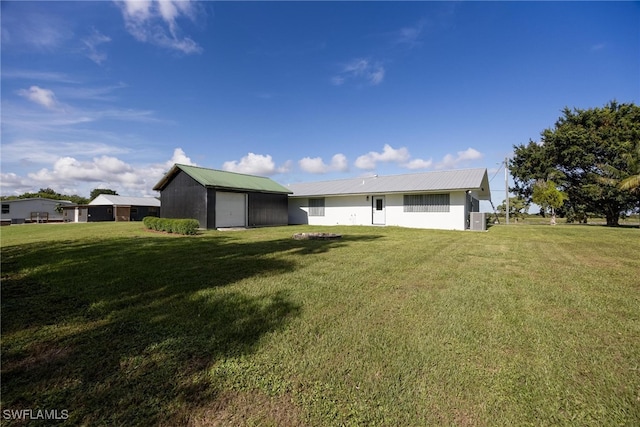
point(223, 179)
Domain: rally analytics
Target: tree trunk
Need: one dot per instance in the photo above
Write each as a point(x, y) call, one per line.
point(553, 216)
point(612, 217)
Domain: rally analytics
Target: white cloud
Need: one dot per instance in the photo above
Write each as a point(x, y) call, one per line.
point(360, 69)
point(44, 97)
point(339, 163)
point(316, 165)
point(12, 184)
point(92, 42)
point(418, 164)
point(46, 152)
point(450, 161)
point(389, 154)
point(156, 22)
point(34, 30)
point(180, 157)
point(73, 175)
point(256, 164)
point(99, 169)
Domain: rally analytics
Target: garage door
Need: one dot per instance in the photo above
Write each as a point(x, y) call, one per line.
point(231, 209)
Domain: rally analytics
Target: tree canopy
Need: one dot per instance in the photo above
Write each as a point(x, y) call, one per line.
point(518, 207)
point(588, 154)
point(48, 193)
point(547, 195)
point(98, 191)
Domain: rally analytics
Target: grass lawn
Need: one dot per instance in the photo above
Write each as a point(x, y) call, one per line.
point(522, 325)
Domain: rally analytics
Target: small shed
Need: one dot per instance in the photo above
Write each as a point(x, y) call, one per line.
point(221, 199)
point(107, 207)
point(36, 209)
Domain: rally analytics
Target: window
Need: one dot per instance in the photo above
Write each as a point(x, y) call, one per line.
point(379, 204)
point(316, 207)
point(5, 208)
point(426, 203)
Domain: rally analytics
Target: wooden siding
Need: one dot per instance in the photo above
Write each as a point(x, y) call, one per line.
point(184, 197)
point(268, 209)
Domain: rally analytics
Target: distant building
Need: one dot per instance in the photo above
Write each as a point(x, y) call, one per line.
point(107, 207)
point(38, 209)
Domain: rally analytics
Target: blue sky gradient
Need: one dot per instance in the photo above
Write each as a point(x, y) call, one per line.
point(110, 94)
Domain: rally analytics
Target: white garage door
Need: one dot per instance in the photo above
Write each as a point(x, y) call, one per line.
point(231, 209)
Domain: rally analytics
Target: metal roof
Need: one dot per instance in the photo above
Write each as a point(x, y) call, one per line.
point(27, 199)
point(223, 179)
point(461, 180)
point(111, 200)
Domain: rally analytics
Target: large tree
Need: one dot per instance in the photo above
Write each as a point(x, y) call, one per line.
point(587, 154)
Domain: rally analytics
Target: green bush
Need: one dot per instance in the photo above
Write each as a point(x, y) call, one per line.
point(171, 225)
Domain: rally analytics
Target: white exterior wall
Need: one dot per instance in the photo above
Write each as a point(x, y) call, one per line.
point(357, 210)
point(22, 208)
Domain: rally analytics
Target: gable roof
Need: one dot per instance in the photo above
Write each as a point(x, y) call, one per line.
point(111, 200)
point(453, 180)
point(223, 180)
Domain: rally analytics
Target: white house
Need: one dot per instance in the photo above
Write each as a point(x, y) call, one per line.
point(37, 209)
point(439, 200)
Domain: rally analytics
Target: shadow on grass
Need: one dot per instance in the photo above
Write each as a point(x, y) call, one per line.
point(125, 331)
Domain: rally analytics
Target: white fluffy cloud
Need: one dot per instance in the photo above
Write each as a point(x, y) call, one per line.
point(255, 164)
point(179, 156)
point(76, 175)
point(44, 97)
point(450, 161)
point(389, 154)
point(316, 164)
point(156, 22)
point(402, 158)
point(99, 169)
point(418, 164)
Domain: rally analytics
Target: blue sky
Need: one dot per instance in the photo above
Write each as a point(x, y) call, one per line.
point(110, 94)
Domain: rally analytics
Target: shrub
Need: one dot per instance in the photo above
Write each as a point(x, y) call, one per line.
point(171, 225)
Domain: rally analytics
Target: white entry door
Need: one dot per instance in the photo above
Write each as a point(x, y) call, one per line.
point(378, 210)
point(231, 209)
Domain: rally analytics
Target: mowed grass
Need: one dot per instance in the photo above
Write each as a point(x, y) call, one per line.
point(526, 325)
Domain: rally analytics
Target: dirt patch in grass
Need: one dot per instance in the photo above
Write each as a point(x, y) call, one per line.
point(42, 354)
point(248, 409)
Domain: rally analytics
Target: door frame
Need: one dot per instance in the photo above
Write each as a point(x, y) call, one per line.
point(378, 216)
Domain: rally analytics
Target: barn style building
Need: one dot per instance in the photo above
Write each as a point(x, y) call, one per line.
point(220, 199)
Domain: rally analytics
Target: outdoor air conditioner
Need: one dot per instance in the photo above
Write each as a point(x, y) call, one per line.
point(478, 221)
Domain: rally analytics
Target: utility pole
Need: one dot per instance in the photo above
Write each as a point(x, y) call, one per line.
point(506, 188)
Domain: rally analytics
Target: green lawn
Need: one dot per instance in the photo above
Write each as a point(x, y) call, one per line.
point(522, 325)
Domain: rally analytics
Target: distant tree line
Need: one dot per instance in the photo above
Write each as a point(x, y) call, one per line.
point(48, 193)
point(587, 164)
